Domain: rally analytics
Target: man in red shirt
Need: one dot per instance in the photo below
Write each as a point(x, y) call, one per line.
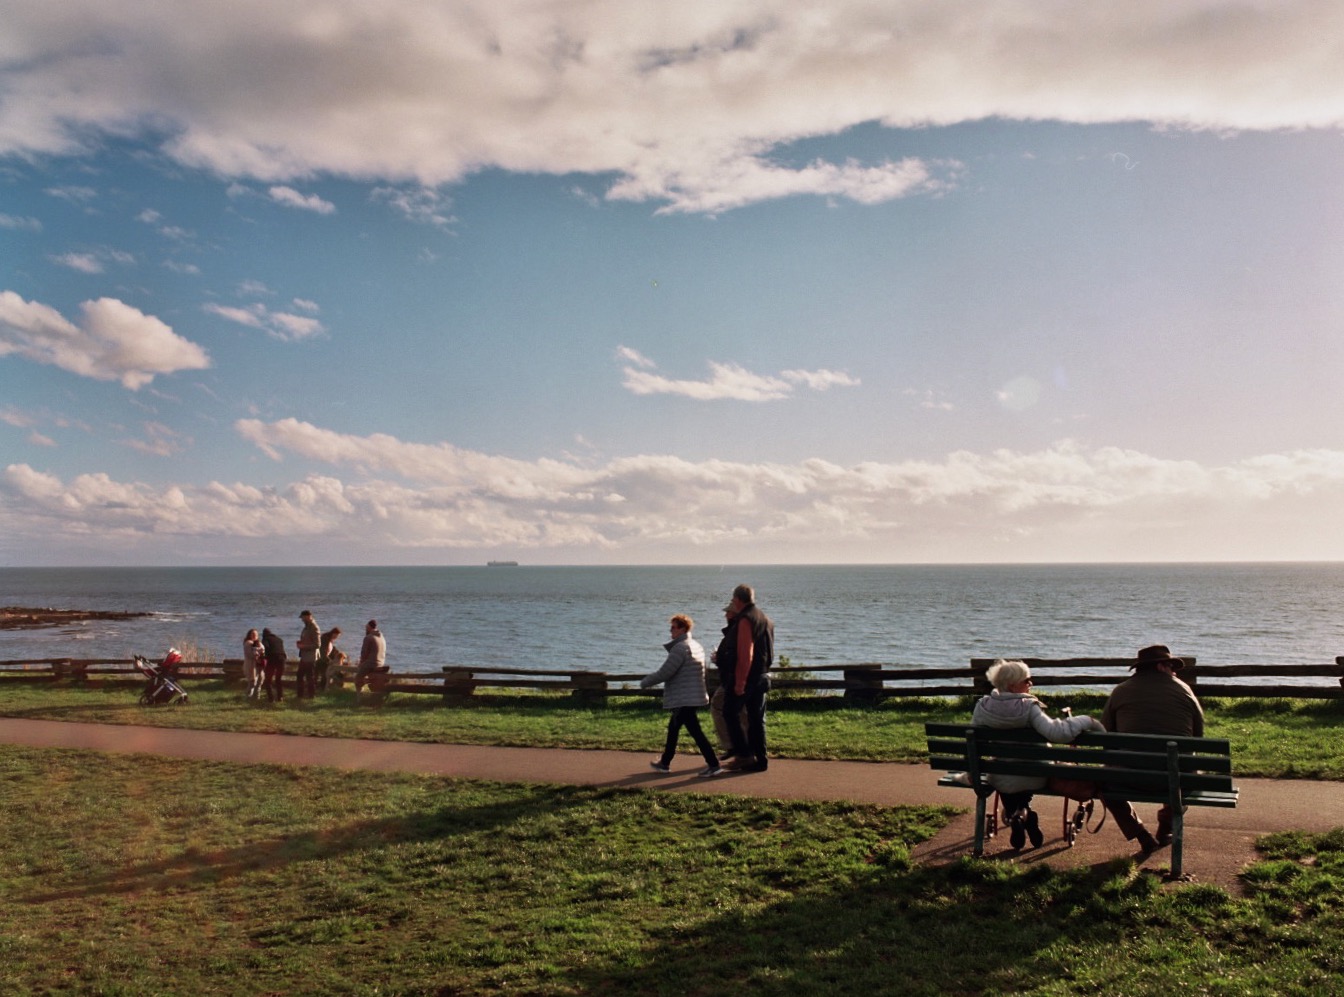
point(751, 646)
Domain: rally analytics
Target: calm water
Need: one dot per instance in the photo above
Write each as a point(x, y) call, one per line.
point(614, 618)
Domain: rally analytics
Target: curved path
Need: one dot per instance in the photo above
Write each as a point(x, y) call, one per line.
point(1218, 843)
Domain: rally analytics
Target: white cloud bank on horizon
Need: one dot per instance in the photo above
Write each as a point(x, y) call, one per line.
point(1067, 502)
point(726, 381)
point(113, 342)
point(691, 108)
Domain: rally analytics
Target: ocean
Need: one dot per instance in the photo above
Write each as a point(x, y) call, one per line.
point(615, 618)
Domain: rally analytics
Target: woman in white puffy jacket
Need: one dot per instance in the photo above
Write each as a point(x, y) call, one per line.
point(1011, 704)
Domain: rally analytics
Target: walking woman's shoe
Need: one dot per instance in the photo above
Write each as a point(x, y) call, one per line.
point(660, 767)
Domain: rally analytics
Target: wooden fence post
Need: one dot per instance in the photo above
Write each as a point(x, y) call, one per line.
point(588, 686)
point(863, 683)
point(1189, 674)
point(1340, 661)
point(980, 684)
point(233, 671)
point(458, 685)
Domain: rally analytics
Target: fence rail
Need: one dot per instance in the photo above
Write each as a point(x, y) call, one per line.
point(867, 682)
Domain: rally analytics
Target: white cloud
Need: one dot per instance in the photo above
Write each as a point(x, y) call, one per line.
point(820, 380)
point(113, 341)
point(93, 263)
point(83, 262)
point(281, 325)
point(421, 204)
point(159, 440)
point(726, 381)
point(696, 112)
point(291, 198)
point(633, 356)
point(1066, 502)
point(20, 224)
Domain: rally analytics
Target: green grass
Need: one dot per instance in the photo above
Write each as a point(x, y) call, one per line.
point(154, 876)
point(1270, 738)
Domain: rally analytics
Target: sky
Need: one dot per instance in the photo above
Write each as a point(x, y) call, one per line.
point(895, 281)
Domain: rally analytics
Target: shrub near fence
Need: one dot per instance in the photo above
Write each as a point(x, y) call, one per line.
point(861, 683)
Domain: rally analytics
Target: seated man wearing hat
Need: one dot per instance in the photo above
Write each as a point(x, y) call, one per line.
point(1152, 701)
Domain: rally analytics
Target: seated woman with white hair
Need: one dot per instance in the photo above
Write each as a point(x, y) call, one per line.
point(1011, 704)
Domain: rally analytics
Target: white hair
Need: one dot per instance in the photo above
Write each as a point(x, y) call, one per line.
point(1003, 674)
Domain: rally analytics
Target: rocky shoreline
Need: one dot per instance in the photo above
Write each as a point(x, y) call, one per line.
point(26, 618)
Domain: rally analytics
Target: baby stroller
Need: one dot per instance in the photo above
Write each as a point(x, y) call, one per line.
point(161, 689)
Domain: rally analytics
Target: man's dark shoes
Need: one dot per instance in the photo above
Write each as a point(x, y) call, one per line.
point(1163, 829)
point(1034, 829)
point(1147, 843)
point(1017, 837)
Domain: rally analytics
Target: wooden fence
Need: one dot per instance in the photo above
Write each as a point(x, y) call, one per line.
point(857, 683)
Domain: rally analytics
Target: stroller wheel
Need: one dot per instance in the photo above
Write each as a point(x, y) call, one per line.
point(145, 700)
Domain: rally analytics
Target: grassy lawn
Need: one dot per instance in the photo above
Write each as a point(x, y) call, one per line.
point(153, 876)
point(1273, 738)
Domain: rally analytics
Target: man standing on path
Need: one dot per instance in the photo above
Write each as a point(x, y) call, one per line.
point(1152, 701)
point(717, 701)
point(372, 654)
point(309, 641)
point(751, 646)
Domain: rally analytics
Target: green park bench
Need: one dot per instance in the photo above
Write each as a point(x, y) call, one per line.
point(1180, 772)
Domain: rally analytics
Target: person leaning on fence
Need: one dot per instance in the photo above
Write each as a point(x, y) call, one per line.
point(1152, 701)
point(327, 652)
point(683, 679)
point(1009, 705)
point(372, 654)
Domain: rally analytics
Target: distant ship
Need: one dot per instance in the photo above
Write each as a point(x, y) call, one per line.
point(501, 564)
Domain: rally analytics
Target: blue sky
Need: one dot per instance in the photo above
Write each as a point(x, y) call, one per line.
point(397, 282)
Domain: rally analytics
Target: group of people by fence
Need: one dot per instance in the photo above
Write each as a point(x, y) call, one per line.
point(265, 660)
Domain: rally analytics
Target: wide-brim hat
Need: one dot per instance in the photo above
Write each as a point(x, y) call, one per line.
point(1159, 654)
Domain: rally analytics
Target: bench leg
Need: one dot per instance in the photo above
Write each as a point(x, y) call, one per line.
point(979, 824)
point(1177, 840)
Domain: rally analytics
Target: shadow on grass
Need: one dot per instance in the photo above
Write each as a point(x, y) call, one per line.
point(965, 929)
point(193, 867)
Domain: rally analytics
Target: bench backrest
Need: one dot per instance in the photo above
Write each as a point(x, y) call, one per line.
point(1146, 762)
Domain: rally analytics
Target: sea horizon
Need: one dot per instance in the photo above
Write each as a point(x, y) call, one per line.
point(613, 617)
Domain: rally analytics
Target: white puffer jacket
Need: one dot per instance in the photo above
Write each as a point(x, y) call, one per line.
point(684, 673)
point(1004, 710)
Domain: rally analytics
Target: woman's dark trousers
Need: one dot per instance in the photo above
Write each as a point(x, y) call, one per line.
point(685, 716)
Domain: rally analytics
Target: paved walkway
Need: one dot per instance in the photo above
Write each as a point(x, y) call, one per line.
point(1218, 843)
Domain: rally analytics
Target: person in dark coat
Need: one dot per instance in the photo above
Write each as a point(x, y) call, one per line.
point(274, 675)
point(751, 646)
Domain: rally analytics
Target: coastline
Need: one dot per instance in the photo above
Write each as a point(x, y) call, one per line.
point(31, 618)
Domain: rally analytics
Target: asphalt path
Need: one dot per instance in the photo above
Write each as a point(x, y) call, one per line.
point(1218, 843)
